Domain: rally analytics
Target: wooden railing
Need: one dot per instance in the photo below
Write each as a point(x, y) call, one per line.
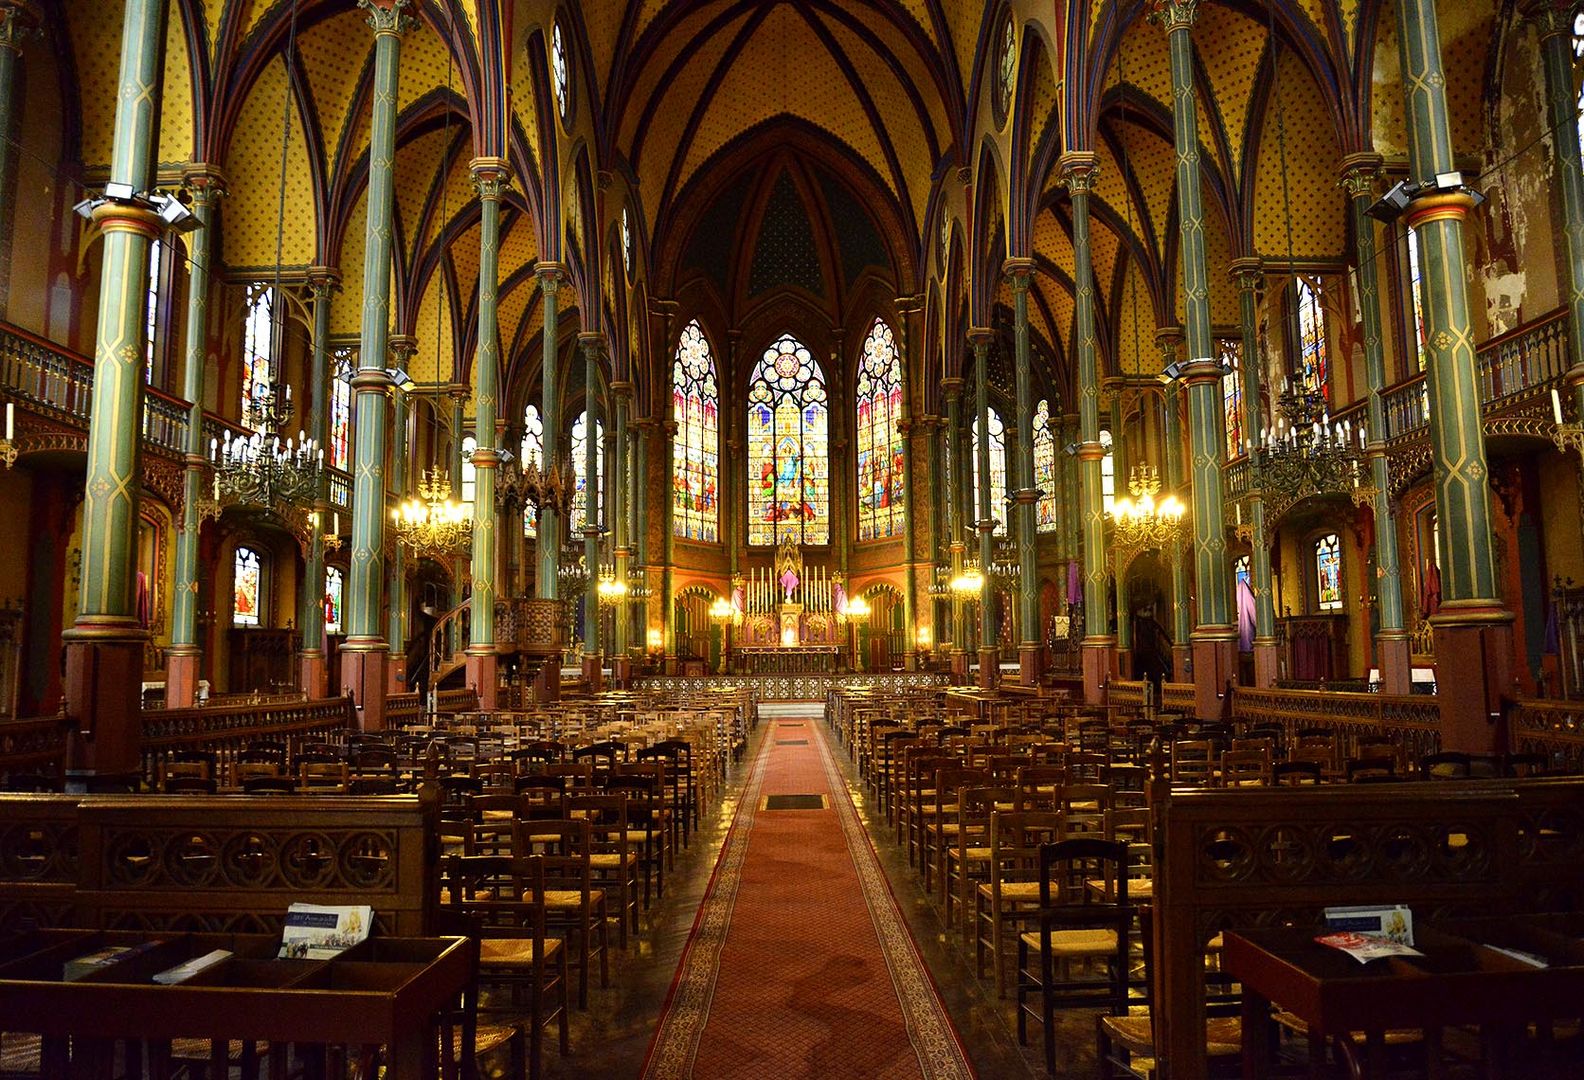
point(228, 730)
point(454, 701)
point(402, 710)
point(1552, 728)
point(35, 745)
point(1412, 721)
point(1175, 697)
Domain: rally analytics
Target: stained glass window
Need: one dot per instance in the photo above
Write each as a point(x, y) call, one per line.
point(998, 486)
point(340, 421)
point(1240, 571)
point(695, 451)
point(332, 600)
point(1415, 278)
point(151, 326)
point(626, 243)
point(1008, 70)
point(469, 473)
point(1314, 364)
point(788, 447)
point(1044, 468)
point(579, 515)
point(247, 588)
point(1231, 350)
point(880, 472)
point(558, 69)
point(532, 450)
point(1328, 572)
point(258, 348)
point(1107, 472)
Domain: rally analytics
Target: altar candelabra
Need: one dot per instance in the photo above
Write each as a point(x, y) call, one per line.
point(433, 524)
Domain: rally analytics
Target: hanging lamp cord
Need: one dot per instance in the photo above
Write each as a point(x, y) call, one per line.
point(280, 207)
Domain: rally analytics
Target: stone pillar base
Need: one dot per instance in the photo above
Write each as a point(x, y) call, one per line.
point(396, 673)
point(1182, 657)
point(1215, 665)
point(181, 678)
point(1098, 655)
point(592, 673)
point(1473, 646)
point(989, 668)
point(547, 684)
point(363, 676)
point(104, 680)
point(314, 674)
point(621, 672)
point(1124, 662)
point(1394, 657)
point(483, 676)
point(959, 666)
point(1031, 664)
point(1267, 660)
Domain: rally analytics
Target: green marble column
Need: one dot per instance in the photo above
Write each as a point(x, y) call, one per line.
point(620, 504)
point(1215, 637)
point(1078, 170)
point(182, 659)
point(952, 389)
point(1182, 605)
point(1020, 273)
point(549, 532)
point(104, 647)
point(365, 655)
point(1247, 276)
point(989, 654)
point(1359, 172)
point(491, 176)
point(311, 613)
point(403, 347)
point(459, 393)
point(1473, 632)
point(1554, 22)
point(592, 346)
point(1121, 451)
point(907, 308)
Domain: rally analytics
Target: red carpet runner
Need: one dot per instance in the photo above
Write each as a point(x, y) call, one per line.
point(800, 963)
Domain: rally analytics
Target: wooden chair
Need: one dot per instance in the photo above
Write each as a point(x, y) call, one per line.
point(645, 828)
point(1447, 765)
point(1073, 926)
point(1001, 902)
point(572, 903)
point(611, 857)
point(190, 785)
point(1246, 768)
point(937, 816)
point(966, 859)
point(1370, 770)
point(321, 774)
point(269, 785)
point(1297, 773)
point(1193, 762)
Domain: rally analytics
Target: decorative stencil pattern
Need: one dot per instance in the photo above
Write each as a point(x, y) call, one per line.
point(253, 164)
point(1318, 212)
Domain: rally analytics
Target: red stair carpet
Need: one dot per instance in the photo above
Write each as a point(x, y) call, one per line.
point(800, 963)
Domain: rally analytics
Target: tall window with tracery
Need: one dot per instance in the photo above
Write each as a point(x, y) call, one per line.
point(333, 591)
point(1231, 350)
point(151, 316)
point(247, 587)
point(258, 349)
point(1314, 359)
point(1044, 468)
point(880, 471)
point(469, 471)
point(580, 500)
point(695, 451)
point(1107, 472)
point(340, 421)
point(532, 451)
point(1415, 283)
point(559, 78)
point(998, 486)
point(1328, 572)
point(788, 447)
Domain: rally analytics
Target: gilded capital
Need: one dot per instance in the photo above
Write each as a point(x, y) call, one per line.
point(980, 337)
point(388, 16)
point(403, 347)
point(549, 275)
point(1359, 173)
point(491, 176)
point(1247, 273)
point(1019, 272)
point(1078, 169)
point(322, 281)
point(205, 182)
point(1173, 15)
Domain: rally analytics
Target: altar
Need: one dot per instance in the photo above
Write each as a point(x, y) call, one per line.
point(789, 660)
point(790, 617)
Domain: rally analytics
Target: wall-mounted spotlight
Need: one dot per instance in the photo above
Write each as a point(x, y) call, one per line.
point(402, 381)
point(172, 212)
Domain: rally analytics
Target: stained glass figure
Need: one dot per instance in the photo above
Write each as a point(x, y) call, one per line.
point(579, 515)
point(1314, 361)
point(1231, 350)
point(333, 591)
point(880, 468)
point(695, 451)
point(532, 451)
point(788, 447)
point(258, 349)
point(247, 588)
point(340, 421)
point(1044, 469)
point(1328, 572)
point(998, 486)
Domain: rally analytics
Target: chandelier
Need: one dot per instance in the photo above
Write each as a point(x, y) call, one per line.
point(967, 582)
point(1141, 522)
point(256, 470)
point(433, 524)
point(1307, 453)
point(572, 575)
point(1004, 567)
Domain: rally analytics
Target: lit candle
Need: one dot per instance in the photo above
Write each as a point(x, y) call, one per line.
point(336, 522)
point(1556, 410)
point(1238, 508)
point(217, 489)
point(10, 420)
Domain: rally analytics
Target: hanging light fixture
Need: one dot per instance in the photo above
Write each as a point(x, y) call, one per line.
point(434, 524)
point(1142, 522)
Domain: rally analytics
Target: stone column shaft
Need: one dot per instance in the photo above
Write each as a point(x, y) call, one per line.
point(490, 177)
point(549, 532)
point(989, 654)
point(1020, 273)
point(952, 389)
point(593, 346)
point(311, 618)
point(906, 309)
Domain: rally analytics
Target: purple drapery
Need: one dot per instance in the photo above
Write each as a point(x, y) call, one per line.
point(1074, 583)
point(1245, 606)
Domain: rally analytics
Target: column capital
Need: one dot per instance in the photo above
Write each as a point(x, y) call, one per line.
point(403, 347)
point(1078, 169)
point(980, 337)
point(1438, 206)
point(550, 275)
point(907, 305)
point(491, 176)
point(1168, 337)
point(1247, 272)
point(952, 386)
point(388, 16)
point(18, 22)
point(1019, 271)
point(205, 181)
point(1358, 173)
point(592, 340)
point(1552, 18)
point(323, 280)
point(621, 390)
point(115, 216)
point(458, 392)
point(1173, 15)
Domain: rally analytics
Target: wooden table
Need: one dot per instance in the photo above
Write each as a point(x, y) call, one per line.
point(386, 991)
point(1459, 981)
